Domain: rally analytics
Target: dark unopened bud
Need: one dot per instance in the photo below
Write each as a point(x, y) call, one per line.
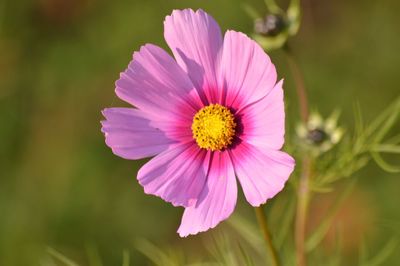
point(270, 26)
point(317, 136)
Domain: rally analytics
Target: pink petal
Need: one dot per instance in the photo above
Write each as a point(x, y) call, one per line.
point(262, 174)
point(131, 135)
point(156, 84)
point(247, 73)
point(264, 121)
point(217, 200)
point(195, 40)
point(177, 175)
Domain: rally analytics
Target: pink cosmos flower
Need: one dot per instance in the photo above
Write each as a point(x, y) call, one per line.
point(214, 113)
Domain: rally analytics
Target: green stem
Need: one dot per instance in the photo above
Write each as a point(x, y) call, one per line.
point(262, 221)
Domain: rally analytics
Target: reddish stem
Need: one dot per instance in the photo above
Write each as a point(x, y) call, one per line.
point(303, 193)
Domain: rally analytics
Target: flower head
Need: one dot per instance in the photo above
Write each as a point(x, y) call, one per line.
point(212, 113)
point(319, 135)
point(271, 25)
point(273, 30)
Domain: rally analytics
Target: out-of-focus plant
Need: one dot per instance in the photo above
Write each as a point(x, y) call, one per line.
point(367, 143)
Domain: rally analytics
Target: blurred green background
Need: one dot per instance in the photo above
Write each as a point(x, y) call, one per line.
point(61, 187)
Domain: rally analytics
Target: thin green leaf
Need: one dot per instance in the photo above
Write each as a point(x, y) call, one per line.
point(60, 257)
point(383, 164)
point(246, 257)
point(319, 234)
point(388, 148)
point(152, 252)
point(391, 110)
point(383, 254)
point(389, 122)
point(247, 231)
point(221, 250)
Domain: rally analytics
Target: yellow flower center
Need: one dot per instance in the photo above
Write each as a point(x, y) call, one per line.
point(213, 127)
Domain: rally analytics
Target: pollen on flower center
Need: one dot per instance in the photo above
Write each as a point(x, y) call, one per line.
point(214, 127)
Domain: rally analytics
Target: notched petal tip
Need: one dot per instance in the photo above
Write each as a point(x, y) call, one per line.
point(105, 111)
point(187, 232)
point(178, 12)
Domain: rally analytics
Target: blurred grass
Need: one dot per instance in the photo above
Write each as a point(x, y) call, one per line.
point(60, 186)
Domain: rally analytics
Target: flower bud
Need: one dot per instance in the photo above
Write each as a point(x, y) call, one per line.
point(271, 25)
point(319, 135)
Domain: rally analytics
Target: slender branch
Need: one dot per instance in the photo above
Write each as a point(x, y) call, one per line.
point(303, 199)
point(303, 193)
point(262, 221)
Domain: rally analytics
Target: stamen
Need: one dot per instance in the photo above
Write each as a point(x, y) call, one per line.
point(213, 127)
